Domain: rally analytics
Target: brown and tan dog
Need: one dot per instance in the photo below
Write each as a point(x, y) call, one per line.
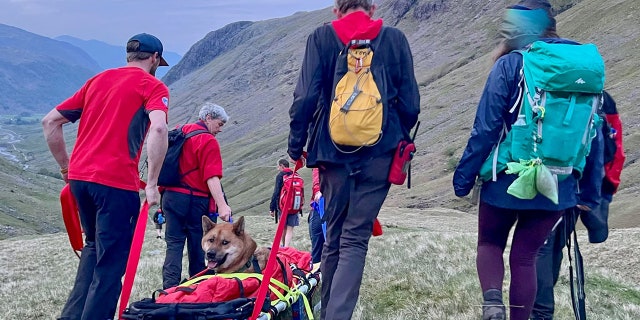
point(229, 249)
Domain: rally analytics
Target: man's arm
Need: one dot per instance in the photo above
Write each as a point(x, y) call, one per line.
point(408, 97)
point(215, 187)
point(275, 197)
point(54, 135)
point(157, 141)
point(305, 98)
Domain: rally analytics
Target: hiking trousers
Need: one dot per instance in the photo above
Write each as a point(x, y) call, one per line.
point(108, 217)
point(532, 228)
point(316, 234)
point(353, 197)
point(183, 214)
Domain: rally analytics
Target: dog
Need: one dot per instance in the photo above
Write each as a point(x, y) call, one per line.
point(229, 249)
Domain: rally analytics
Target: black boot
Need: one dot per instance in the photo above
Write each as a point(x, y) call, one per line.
point(492, 307)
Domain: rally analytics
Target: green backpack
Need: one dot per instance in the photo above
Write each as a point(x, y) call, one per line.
point(561, 90)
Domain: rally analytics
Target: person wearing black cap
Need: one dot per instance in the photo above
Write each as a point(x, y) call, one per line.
point(499, 211)
point(120, 109)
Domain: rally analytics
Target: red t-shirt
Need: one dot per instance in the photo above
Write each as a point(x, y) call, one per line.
point(114, 106)
point(200, 160)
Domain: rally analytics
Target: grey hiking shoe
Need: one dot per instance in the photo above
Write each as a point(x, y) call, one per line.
point(492, 307)
point(493, 312)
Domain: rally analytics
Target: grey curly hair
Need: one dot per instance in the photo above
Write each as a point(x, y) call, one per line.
point(214, 111)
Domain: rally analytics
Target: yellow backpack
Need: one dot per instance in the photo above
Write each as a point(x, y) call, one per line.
point(356, 116)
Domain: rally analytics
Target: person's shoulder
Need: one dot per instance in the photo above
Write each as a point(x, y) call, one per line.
point(559, 40)
point(390, 32)
point(324, 31)
point(510, 60)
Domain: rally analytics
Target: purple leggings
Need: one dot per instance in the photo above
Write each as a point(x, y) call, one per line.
point(532, 228)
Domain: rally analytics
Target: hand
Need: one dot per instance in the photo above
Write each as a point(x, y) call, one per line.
point(272, 213)
point(303, 159)
point(224, 212)
point(152, 194)
point(64, 172)
point(317, 196)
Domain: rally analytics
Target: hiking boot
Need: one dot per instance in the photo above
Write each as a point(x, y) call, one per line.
point(492, 307)
point(493, 312)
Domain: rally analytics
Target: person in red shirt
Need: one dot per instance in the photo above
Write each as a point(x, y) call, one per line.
point(119, 108)
point(200, 166)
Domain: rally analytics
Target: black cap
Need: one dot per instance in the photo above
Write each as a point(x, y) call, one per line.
point(149, 43)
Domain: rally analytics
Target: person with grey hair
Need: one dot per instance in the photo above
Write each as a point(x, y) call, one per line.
point(200, 167)
point(354, 184)
point(214, 111)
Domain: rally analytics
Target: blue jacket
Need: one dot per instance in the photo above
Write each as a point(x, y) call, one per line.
point(500, 93)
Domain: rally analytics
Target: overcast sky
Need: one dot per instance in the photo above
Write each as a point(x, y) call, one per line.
point(178, 23)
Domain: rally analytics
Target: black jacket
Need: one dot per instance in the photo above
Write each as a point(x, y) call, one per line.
point(313, 95)
point(275, 197)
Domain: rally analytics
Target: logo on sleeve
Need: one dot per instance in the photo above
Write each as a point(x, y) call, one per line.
point(165, 100)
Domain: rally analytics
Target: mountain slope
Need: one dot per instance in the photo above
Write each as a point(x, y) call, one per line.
point(109, 56)
point(251, 69)
point(37, 72)
point(451, 42)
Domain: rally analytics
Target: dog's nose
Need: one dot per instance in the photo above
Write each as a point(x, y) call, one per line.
point(211, 255)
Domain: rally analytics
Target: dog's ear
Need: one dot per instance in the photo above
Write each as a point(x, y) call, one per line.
point(238, 226)
point(207, 224)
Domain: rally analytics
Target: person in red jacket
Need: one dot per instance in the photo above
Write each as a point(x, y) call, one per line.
point(120, 108)
point(200, 166)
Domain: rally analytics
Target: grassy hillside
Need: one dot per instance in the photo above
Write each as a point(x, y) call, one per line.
point(421, 268)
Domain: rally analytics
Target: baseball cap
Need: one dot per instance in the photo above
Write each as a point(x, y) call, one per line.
point(149, 43)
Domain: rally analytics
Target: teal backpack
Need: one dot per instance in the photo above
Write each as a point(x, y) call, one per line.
point(560, 92)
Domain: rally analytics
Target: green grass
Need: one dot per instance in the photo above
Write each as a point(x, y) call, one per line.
point(423, 267)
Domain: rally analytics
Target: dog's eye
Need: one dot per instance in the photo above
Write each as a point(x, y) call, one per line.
point(225, 242)
point(212, 240)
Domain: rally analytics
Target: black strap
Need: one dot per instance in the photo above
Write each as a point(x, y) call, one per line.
point(186, 137)
point(284, 271)
point(240, 287)
point(575, 283)
point(256, 265)
point(413, 138)
point(298, 273)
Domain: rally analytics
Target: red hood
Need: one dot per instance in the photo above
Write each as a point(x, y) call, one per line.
point(357, 25)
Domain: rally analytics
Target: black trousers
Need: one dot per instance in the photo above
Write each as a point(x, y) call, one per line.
point(353, 197)
point(108, 217)
point(183, 214)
